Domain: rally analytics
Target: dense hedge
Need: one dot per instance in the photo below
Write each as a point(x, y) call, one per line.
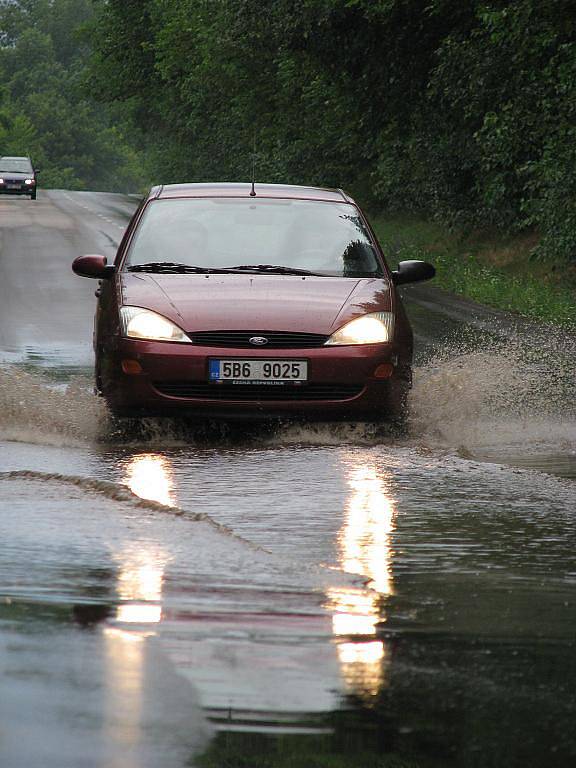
point(463, 110)
point(45, 109)
point(460, 109)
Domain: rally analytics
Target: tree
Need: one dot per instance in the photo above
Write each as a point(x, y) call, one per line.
point(51, 116)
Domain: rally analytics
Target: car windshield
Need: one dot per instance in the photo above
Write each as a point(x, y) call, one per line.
point(266, 235)
point(15, 165)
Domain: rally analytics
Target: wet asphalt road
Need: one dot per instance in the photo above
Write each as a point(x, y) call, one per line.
point(401, 597)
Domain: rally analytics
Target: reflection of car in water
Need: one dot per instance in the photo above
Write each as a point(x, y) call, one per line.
point(17, 176)
point(224, 305)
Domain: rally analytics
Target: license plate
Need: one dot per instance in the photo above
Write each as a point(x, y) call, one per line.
point(258, 371)
point(13, 186)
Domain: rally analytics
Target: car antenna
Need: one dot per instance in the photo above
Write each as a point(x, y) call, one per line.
point(253, 191)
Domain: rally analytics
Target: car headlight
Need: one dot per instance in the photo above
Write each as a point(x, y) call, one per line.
point(29, 181)
point(138, 323)
point(375, 328)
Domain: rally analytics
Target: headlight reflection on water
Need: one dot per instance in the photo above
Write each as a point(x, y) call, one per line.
point(140, 578)
point(125, 671)
point(364, 540)
point(150, 476)
point(365, 548)
point(139, 586)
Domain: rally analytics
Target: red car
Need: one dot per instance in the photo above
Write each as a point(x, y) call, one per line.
point(229, 301)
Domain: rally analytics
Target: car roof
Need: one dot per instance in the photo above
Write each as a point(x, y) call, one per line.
point(234, 189)
point(6, 157)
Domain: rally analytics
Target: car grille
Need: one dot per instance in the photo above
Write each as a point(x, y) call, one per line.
point(257, 392)
point(241, 339)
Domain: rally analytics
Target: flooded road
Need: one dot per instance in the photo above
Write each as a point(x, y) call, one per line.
point(324, 595)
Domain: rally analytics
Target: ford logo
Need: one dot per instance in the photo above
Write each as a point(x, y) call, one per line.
point(258, 341)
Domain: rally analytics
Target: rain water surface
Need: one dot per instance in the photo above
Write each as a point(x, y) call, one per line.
point(301, 596)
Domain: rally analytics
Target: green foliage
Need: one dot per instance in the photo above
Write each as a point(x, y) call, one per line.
point(468, 264)
point(16, 131)
point(45, 112)
point(231, 750)
point(462, 109)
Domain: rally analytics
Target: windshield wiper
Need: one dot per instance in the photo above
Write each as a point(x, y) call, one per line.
point(274, 269)
point(170, 267)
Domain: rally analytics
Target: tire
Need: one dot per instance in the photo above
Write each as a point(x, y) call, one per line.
point(98, 381)
point(398, 410)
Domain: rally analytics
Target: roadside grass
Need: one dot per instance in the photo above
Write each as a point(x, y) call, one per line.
point(495, 270)
point(240, 751)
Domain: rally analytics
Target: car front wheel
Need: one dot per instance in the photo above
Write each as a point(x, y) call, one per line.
point(397, 409)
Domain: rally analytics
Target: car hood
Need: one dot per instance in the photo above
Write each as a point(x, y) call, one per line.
point(256, 302)
point(16, 175)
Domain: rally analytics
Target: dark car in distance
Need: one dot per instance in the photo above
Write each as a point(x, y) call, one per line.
point(17, 176)
point(228, 301)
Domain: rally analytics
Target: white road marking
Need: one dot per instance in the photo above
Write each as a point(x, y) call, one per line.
point(93, 211)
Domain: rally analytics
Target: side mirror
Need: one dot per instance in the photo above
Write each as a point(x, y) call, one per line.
point(92, 266)
point(413, 272)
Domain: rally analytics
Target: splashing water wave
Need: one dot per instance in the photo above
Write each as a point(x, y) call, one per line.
point(513, 392)
point(120, 493)
point(32, 411)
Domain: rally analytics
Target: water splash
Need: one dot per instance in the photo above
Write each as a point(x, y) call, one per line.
point(117, 492)
point(516, 392)
point(34, 411)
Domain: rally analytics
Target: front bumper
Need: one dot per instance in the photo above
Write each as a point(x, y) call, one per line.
point(174, 381)
point(17, 189)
